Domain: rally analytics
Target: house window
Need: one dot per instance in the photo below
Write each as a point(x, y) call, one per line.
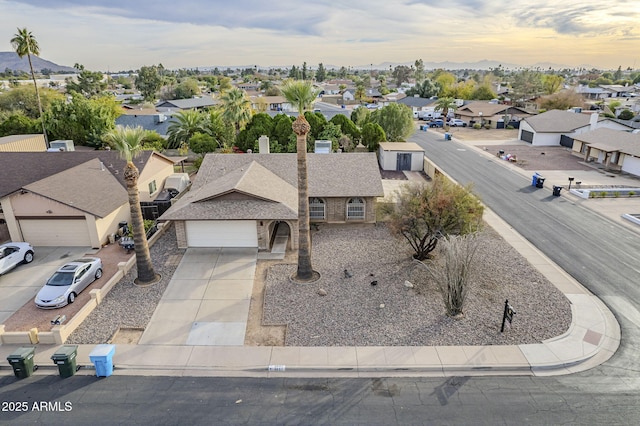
point(152, 187)
point(355, 209)
point(316, 209)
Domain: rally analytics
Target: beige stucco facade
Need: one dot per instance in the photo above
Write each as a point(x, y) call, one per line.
point(30, 206)
point(157, 169)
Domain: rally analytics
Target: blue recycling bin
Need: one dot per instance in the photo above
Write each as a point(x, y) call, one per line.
point(534, 180)
point(102, 358)
point(447, 136)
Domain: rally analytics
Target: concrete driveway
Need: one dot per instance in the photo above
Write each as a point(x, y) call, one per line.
point(21, 284)
point(207, 300)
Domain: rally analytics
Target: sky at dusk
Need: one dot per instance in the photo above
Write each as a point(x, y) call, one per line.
point(127, 34)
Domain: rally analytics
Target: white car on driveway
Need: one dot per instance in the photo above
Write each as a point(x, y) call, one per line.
point(13, 254)
point(68, 281)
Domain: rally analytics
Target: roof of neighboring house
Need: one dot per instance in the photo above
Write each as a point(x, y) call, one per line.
point(610, 140)
point(263, 186)
point(20, 169)
point(395, 96)
point(416, 102)
point(187, 103)
point(557, 121)
point(487, 109)
point(15, 138)
point(100, 198)
point(400, 146)
point(147, 122)
point(269, 99)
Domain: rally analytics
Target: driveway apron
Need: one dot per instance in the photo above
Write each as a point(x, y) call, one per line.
point(207, 301)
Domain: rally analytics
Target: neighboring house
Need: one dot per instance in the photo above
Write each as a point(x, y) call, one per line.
point(490, 113)
point(184, 104)
point(401, 156)
point(616, 150)
point(74, 198)
point(349, 95)
point(242, 200)
point(23, 143)
point(559, 128)
point(391, 98)
point(418, 104)
point(157, 122)
point(270, 103)
point(604, 91)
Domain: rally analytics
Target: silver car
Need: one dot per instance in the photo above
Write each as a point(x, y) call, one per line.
point(13, 254)
point(68, 281)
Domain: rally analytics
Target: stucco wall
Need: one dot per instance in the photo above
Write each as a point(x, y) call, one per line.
point(156, 169)
point(30, 204)
point(109, 224)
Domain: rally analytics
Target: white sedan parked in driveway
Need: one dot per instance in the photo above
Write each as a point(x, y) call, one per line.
point(68, 281)
point(13, 254)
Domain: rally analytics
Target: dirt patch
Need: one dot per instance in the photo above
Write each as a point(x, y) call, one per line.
point(538, 158)
point(469, 133)
point(393, 175)
point(127, 336)
point(258, 334)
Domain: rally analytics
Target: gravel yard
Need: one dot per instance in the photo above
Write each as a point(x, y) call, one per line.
point(351, 312)
point(128, 305)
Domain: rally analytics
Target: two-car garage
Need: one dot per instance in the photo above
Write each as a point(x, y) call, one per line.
point(221, 233)
point(55, 232)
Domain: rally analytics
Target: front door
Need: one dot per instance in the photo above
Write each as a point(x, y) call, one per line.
point(403, 161)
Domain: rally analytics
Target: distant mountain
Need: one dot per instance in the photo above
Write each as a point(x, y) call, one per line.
point(12, 61)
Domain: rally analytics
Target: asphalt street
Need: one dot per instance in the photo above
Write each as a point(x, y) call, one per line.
point(126, 400)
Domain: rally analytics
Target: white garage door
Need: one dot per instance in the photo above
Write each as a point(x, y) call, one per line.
point(51, 232)
point(222, 233)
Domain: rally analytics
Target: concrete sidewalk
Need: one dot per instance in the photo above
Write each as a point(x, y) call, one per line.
point(593, 337)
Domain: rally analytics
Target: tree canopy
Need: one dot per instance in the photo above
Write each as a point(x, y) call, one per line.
point(425, 213)
point(396, 120)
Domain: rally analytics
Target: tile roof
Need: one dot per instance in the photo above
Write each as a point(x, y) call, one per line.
point(610, 140)
point(101, 197)
point(556, 121)
point(270, 182)
point(14, 138)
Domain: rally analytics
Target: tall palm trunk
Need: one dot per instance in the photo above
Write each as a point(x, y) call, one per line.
point(305, 271)
point(146, 274)
point(35, 85)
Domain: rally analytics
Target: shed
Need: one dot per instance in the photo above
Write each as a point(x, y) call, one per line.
point(401, 156)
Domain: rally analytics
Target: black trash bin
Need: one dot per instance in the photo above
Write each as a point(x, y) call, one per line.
point(556, 190)
point(540, 182)
point(65, 359)
point(22, 362)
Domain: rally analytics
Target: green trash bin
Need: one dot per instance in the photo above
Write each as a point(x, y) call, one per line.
point(65, 358)
point(22, 361)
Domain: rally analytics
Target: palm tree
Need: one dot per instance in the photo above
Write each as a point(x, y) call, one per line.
point(186, 124)
point(444, 105)
point(24, 43)
point(128, 141)
point(302, 95)
point(236, 108)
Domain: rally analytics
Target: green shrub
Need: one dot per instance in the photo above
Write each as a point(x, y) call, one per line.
point(198, 162)
point(616, 194)
point(632, 193)
point(510, 127)
point(592, 194)
point(487, 126)
point(477, 126)
point(603, 194)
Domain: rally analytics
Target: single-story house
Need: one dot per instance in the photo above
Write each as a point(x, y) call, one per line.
point(418, 104)
point(185, 104)
point(616, 150)
point(559, 128)
point(74, 198)
point(401, 156)
point(270, 103)
point(493, 114)
point(240, 200)
point(23, 143)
